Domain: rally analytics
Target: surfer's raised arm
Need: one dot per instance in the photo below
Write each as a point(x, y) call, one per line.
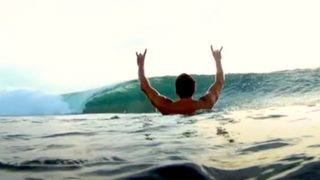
point(159, 101)
point(212, 96)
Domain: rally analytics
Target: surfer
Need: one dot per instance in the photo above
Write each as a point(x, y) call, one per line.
point(185, 89)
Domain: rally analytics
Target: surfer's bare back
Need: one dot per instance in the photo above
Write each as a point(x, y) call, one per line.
point(185, 88)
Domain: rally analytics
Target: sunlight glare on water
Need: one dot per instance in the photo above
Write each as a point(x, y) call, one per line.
point(263, 143)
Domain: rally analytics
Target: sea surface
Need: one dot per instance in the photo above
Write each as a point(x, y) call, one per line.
point(265, 126)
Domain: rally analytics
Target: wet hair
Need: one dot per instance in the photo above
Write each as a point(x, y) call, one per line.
point(185, 86)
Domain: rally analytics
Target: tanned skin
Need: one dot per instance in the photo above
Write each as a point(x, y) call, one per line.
point(186, 106)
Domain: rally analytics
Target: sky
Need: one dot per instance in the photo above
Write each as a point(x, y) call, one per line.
point(72, 45)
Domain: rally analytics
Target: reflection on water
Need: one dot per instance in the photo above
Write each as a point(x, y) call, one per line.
point(260, 140)
point(263, 144)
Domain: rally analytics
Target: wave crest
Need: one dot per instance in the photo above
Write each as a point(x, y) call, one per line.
point(250, 90)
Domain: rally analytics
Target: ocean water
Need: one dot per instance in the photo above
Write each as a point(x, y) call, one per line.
point(265, 126)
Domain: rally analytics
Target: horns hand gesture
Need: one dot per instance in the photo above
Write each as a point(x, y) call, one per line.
point(216, 53)
point(140, 58)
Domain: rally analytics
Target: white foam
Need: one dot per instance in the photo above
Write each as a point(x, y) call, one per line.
point(29, 102)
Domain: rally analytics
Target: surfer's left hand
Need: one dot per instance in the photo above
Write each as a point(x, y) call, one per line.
point(140, 58)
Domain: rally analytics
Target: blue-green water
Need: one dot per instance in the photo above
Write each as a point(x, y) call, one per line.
point(241, 91)
point(265, 126)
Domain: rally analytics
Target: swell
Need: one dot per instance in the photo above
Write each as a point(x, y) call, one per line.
point(198, 171)
point(241, 91)
point(51, 164)
point(299, 166)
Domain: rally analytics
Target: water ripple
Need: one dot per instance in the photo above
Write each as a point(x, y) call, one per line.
point(70, 134)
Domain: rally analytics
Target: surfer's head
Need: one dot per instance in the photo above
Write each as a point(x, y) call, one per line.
point(185, 86)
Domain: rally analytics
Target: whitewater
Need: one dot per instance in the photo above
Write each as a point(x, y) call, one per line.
point(265, 126)
point(251, 90)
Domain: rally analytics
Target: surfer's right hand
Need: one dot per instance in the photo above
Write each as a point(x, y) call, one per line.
point(216, 53)
point(140, 58)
